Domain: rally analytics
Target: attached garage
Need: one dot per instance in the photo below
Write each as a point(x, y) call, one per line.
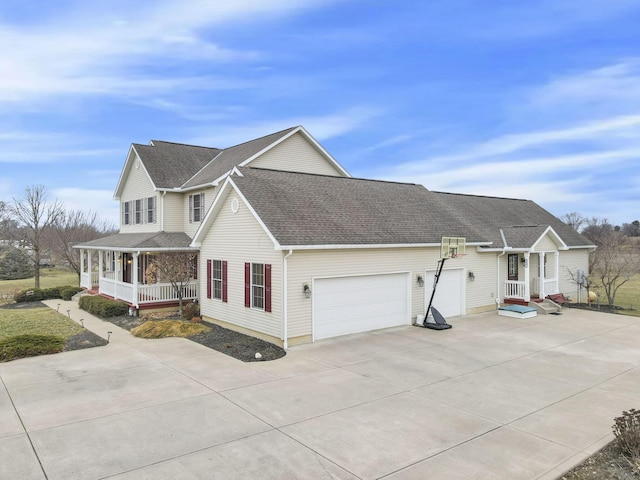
point(343, 305)
point(449, 299)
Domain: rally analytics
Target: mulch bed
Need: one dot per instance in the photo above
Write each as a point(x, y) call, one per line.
point(596, 308)
point(237, 345)
point(609, 463)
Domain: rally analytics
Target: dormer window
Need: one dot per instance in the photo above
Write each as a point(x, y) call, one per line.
point(196, 207)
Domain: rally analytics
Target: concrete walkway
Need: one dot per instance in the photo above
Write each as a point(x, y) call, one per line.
point(493, 398)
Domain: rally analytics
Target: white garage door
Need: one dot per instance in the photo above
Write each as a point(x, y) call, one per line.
point(449, 299)
point(358, 304)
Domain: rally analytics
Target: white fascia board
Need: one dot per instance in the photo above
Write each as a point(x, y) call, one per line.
point(550, 231)
point(578, 247)
point(127, 168)
point(138, 249)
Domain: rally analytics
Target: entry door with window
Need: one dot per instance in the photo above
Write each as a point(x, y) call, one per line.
point(512, 266)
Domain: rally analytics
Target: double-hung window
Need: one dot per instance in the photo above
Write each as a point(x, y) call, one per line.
point(151, 209)
point(217, 279)
point(126, 213)
point(257, 286)
point(138, 211)
point(196, 207)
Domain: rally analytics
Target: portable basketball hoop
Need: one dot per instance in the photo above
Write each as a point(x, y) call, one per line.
point(450, 247)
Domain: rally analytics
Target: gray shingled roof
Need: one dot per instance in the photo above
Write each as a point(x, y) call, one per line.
point(170, 165)
point(141, 241)
point(231, 157)
point(306, 209)
point(523, 221)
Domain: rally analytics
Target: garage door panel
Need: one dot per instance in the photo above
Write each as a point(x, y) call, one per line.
point(346, 305)
point(449, 294)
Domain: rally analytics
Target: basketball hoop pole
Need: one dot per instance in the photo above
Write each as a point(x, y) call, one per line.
point(435, 284)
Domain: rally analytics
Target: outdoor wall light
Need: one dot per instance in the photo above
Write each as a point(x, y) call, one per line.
point(420, 280)
point(306, 290)
point(523, 260)
point(472, 277)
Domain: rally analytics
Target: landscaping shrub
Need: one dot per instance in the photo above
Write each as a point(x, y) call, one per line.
point(37, 294)
point(28, 345)
point(626, 429)
point(66, 293)
point(103, 307)
point(190, 310)
point(15, 264)
point(29, 295)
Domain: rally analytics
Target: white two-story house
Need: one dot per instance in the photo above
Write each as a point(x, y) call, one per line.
point(289, 247)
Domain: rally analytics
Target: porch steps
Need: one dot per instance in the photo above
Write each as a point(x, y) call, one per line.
point(546, 307)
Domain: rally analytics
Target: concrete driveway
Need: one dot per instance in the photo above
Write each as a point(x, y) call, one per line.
point(494, 398)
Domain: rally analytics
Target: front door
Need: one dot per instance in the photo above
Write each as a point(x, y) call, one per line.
point(512, 267)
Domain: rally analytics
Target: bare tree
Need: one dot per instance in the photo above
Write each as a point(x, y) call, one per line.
point(631, 229)
point(37, 216)
point(596, 229)
point(175, 268)
point(613, 263)
point(574, 220)
point(73, 227)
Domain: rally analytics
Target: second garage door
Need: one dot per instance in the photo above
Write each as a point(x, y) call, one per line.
point(344, 305)
point(449, 299)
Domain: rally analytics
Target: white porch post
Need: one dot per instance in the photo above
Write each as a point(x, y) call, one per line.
point(134, 278)
point(527, 280)
point(100, 264)
point(90, 267)
point(82, 254)
point(556, 262)
point(541, 255)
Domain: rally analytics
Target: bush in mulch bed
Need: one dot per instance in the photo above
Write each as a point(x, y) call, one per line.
point(237, 345)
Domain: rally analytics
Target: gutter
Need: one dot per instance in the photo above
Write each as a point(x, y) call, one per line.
point(285, 315)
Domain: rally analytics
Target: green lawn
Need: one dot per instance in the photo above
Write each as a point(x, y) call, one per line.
point(49, 277)
point(36, 321)
point(628, 296)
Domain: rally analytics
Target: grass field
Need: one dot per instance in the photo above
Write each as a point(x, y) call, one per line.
point(50, 277)
point(628, 296)
point(36, 321)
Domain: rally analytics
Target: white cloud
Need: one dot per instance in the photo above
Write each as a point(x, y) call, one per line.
point(95, 49)
point(99, 201)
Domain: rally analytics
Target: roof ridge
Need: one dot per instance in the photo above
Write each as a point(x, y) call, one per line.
point(481, 196)
point(311, 174)
point(183, 144)
point(260, 138)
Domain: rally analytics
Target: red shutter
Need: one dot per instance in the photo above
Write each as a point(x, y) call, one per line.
point(208, 278)
point(267, 288)
point(247, 285)
point(224, 280)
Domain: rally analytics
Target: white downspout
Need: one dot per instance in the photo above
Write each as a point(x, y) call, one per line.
point(498, 277)
point(162, 210)
point(285, 315)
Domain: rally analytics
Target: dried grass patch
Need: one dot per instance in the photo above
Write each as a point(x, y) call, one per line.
point(168, 328)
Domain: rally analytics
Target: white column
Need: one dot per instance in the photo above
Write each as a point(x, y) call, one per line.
point(527, 280)
point(134, 278)
point(100, 265)
point(541, 274)
point(556, 258)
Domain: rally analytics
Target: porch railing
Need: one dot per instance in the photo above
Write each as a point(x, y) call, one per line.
point(550, 286)
point(89, 279)
point(164, 292)
point(514, 289)
point(147, 294)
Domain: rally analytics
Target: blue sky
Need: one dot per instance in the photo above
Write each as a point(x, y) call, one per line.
point(521, 99)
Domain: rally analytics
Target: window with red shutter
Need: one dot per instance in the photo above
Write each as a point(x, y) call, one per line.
point(247, 285)
point(267, 288)
point(224, 280)
point(209, 278)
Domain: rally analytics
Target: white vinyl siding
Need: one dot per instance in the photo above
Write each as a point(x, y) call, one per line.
point(296, 154)
point(190, 227)
point(546, 244)
point(173, 211)
point(239, 239)
point(137, 186)
point(570, 262)
point(449, 299)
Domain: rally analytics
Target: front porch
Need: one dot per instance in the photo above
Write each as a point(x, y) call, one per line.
point(121, 275)
point(538, 280)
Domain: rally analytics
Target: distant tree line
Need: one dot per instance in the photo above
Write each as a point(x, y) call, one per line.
point(616, 258)
point(42, 228)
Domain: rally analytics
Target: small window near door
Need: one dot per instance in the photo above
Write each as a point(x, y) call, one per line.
point(512, 267)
